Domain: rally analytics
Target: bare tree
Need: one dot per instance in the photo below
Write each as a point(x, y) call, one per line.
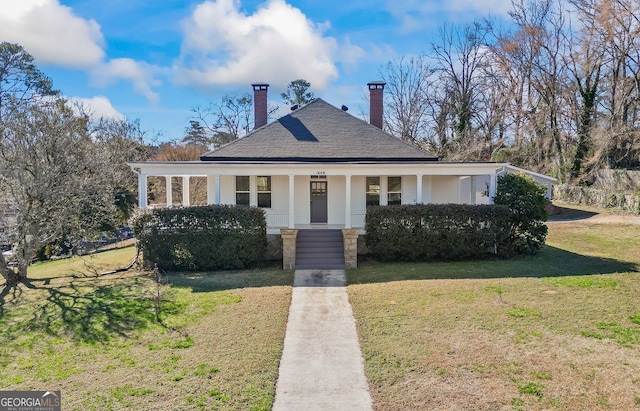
point(458, 59)
point(406, 107)
point(619, 21)
point(121, 141)
point(585, 62)
point(225, 120)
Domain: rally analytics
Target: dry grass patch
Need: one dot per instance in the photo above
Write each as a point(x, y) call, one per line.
point(96, 340)
point(488, 340)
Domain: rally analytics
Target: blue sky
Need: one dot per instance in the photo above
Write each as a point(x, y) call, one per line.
point(155, 60)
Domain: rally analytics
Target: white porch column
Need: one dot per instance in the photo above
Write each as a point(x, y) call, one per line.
point(185, 191)
point(292, 201)
point(253, 191)
point(211, 188)
point(418, 188)
point(169, 190)
point(473, 189)
point(492, 187)
point(347, 207)
point(218, 190)
point(142, 191)
point(384, 186)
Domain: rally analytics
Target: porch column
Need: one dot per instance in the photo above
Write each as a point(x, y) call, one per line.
point(142, 191)
point(211, 188)
point(418, 188)
point(347, 206)
point(169, 190)
point(473, 189)
point(384, 185)
point(492, 187)
point(185, 191)
point(549, 191)
point(253, 191)
point(292, 201)
point(218, 190)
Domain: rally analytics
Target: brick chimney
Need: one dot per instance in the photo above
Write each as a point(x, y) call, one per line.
point(376, 102)
point(260, 104)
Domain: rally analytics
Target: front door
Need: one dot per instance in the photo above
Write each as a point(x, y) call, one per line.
point(318, 202)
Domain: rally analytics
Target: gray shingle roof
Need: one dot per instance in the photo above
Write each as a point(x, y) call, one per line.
point(318, 132)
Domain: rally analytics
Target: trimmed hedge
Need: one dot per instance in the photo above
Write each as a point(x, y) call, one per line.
point(424, 232)
point(202, 238)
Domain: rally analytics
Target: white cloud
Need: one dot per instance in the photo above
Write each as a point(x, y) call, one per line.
point(414, 15)
point(51, 32)
point(98, 106)
point(139, 73)
point(277, 44)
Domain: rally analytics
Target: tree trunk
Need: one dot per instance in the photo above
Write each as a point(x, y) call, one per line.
point(12, 278)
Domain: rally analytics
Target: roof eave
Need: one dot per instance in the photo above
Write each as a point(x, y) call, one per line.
point(323, 159)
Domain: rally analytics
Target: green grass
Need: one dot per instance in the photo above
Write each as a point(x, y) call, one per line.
point(82, 266)
point(558, 330)
point(97, 339)
point(531, 388)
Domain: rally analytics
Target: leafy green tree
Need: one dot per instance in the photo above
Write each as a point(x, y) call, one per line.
point(298, 93)
point(527, 202)
point(197, 134)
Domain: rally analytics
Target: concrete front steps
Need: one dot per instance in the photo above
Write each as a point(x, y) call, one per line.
point(319, 249)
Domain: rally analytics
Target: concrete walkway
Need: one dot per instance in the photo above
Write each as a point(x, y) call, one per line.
point(321, 367)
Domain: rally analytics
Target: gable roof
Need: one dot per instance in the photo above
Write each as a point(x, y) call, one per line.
point(319, 132)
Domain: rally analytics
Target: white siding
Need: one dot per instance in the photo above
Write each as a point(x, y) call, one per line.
point(444, 189)
point(409, 189)
point(228, 190)
point(482, 184)
point(358, 201)
point(277, 215)
point(336, 199)
point(302, 200)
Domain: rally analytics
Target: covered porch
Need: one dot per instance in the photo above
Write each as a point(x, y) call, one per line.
point(321, 195)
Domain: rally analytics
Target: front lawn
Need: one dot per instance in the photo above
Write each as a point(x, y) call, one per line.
point(560, 330)
point(97, 339)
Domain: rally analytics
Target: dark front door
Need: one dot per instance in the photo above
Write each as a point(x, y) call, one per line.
point(318, 202)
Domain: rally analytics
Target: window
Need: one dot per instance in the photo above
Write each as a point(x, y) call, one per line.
point(242, 190)
point(373, 191)
point(264, 191)
point(394, 190)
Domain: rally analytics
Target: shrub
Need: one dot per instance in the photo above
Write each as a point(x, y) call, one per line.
point(425, 232)
point(527, 202)
point(202, 238)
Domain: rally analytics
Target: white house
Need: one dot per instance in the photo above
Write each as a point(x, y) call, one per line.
point(319, 167)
